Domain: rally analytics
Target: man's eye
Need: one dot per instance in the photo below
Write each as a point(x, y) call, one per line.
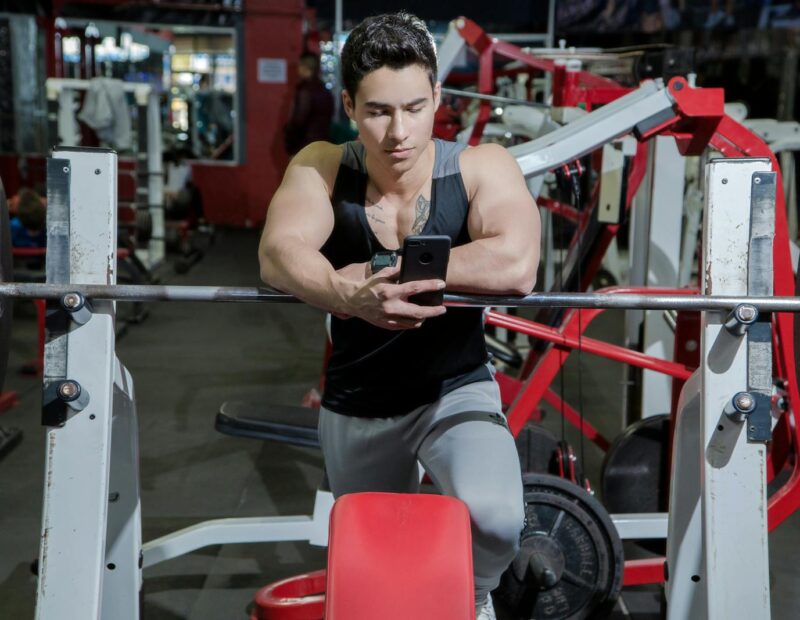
point(414, 110)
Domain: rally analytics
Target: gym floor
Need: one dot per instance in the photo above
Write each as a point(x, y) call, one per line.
point(187, 359)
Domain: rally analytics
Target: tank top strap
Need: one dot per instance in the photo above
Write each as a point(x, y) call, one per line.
point(446, 162)
point(353, 157)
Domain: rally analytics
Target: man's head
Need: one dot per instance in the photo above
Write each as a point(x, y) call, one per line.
point(31, 211)
point(390, 88)
point(393, 40)
point(308, 68)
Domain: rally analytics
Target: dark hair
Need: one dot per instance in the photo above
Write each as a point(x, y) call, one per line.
point(310, 61)
point(31, 211)
point(394, 40)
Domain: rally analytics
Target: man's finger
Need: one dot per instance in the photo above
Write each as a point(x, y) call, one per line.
point(404, 310)
point(420, 286)
point(389, 273)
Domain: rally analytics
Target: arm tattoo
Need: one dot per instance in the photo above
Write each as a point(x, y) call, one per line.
point(423, 210)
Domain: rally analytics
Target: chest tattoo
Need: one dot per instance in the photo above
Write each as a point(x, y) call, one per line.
point(423, 210)
point(374, 212)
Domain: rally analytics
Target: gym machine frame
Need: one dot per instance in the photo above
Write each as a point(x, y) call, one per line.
point(91, 554)
point(695, 118)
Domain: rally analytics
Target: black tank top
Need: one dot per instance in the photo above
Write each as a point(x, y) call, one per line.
point(379, 373)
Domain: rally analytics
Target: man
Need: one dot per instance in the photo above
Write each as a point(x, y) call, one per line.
point(408, 383)
point(312, 109)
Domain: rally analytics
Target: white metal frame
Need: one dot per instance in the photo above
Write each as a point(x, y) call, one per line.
point(717, 550)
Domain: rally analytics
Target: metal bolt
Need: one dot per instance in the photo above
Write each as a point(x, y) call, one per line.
point(724, 181)
point(757, 180)
point(97, 170)
point(66, 169)
point(72, 301)
point(744, 401)
point(746, 313)
point(678, 85)
point(69, 390)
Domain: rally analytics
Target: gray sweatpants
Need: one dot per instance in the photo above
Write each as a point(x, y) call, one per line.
point(473, 460)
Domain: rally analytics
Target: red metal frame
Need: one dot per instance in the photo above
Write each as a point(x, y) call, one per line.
point(487, 48)
point(699, 121)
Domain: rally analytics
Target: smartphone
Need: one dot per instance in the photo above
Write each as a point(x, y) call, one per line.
point(425, 257)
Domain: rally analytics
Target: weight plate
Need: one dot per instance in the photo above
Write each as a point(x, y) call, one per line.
point(6, 303)
point(144, 226)
point(570, 562)
point(635, 471)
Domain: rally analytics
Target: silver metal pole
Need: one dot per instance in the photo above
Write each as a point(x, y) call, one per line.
point(495, 98)
point(621, 301)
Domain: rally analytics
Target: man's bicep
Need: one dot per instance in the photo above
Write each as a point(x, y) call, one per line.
point(300, 209)
point(501, 203)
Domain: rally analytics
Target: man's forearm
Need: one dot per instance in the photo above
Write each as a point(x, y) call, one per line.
point(490, 267)
point(306, 274)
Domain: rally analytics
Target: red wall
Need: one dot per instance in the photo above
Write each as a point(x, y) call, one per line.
point(238, 195)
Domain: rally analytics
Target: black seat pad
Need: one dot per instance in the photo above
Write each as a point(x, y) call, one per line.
point(288, 424)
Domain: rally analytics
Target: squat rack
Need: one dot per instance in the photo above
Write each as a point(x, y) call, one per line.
point(91, 555)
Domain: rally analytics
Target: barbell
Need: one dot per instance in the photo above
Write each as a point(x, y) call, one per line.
point(618, 301)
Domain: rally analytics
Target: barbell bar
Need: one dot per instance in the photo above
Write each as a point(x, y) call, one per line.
point(620, 301)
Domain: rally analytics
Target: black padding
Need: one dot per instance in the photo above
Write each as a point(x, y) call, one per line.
point(5, 276)
point(296, 426)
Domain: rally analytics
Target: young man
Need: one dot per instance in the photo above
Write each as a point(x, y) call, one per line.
point(408, 383)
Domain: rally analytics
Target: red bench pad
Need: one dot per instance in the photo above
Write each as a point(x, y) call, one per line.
point(399, 556)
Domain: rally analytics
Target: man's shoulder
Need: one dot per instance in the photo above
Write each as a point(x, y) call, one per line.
point(322, 157)
point(482, 154)
point(479, 163)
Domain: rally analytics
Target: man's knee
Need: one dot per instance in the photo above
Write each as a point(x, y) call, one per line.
point(497, 520)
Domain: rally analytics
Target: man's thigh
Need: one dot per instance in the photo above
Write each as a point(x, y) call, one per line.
point(467, 447)
point(367, 454)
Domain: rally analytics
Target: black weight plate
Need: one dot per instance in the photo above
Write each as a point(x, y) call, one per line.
point(574, 536)
point(5, 276)
point(635, 471)
point(144, 226)
point(535, 446)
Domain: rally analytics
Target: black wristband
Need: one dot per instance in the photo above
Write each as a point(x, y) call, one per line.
point(382, 260)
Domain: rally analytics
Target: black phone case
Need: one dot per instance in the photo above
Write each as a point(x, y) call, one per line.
point(425, 257)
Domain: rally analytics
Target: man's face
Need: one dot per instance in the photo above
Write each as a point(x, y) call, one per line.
point(393, 110)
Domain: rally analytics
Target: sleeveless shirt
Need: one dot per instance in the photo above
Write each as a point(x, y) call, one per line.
point(375, 372)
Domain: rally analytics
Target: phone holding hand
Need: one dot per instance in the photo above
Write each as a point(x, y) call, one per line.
point(425, 257)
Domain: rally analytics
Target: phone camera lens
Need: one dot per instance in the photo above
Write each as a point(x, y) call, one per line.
point(426, 258)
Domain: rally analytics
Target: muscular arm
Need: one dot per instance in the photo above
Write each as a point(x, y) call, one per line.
point(299, 221)
point(503, 224)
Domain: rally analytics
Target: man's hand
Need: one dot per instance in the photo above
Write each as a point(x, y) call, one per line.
point(383, 302)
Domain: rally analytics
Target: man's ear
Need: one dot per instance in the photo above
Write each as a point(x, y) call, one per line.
point(349, 104)
point(437, 95)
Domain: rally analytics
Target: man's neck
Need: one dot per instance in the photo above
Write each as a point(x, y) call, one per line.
point(408, 183)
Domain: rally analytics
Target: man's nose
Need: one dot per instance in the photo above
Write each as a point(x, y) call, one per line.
point(397, 128)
